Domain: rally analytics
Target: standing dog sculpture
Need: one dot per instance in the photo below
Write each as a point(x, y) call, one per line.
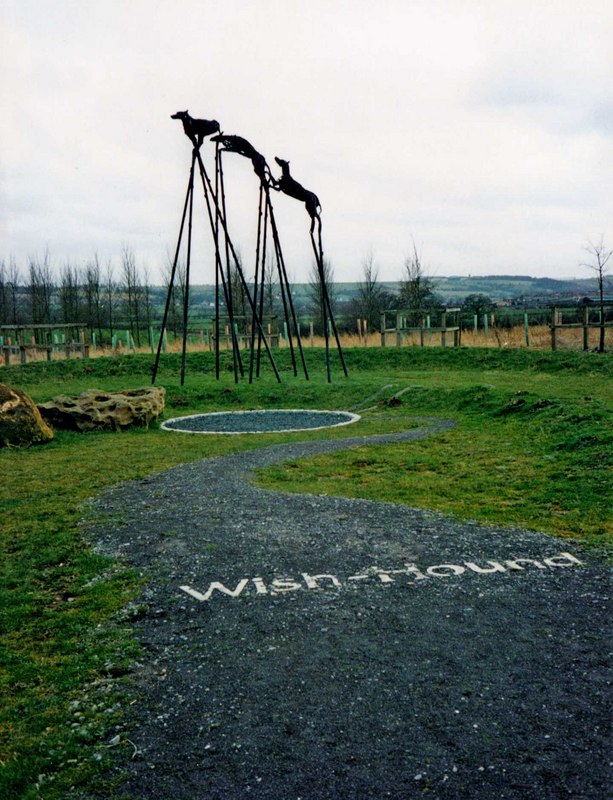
point(196, 129)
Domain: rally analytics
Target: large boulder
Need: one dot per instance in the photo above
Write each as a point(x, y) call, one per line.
point(21, 424)
point(109, 411)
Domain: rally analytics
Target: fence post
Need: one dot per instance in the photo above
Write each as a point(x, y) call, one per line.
point(476, 322)
point(553, 327)
point(486, 325)
point(526, 329)
point(444, 329)
point(151, 339)
point(586, 329)
point(383, 329)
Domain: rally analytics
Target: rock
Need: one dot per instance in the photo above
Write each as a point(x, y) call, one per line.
point(21, 424)
point(109, 411)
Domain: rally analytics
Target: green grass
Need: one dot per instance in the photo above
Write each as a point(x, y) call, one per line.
point(532, 447)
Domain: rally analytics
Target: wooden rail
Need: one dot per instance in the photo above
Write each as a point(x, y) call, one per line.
point(22, 350)
point(14, 340)
point(556, 323)
point(449, 323)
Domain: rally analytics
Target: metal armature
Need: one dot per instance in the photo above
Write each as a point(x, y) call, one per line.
point(226, 260)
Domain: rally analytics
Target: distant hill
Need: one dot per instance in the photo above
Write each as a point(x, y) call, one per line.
point(507, 287)
point(499, 287)
point(519, 290)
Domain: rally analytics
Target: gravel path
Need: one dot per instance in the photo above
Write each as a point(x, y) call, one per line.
point(299, 646)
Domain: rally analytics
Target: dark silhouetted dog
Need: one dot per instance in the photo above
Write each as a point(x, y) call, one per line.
point(196, 129)
point(289, 186)
point(236, 144)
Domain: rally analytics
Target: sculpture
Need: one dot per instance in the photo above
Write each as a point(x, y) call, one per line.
point(196, 129)
point(236, 144)
point(291, 187)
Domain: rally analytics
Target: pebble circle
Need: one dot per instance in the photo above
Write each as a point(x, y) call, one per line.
point(263, 421)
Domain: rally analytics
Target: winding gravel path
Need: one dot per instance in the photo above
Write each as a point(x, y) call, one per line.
point(298, 646)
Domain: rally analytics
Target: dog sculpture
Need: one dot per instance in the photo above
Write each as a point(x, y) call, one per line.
point(196, 129)
point(236, 144)
point(291, 187)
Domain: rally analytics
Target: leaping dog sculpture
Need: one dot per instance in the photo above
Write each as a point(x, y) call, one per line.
point(236, 144)
point(292, 188)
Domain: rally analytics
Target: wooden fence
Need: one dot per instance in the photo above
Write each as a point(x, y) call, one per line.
point(20, 340)
point(586, 324)
point(408, 321)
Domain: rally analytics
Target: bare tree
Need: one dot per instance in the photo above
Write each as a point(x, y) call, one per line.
point(147, 304)
point(240, 306)
point(177, 295)
point(599, 263)
point(271, 286)
point(132, 291)
point(13, 285)
point(4, 305)
point(69, 294)
point(93, 295)
point(40, 288)
point(416, 287)
point(110, 298)
point(369, 300)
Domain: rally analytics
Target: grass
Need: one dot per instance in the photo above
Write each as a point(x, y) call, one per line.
point(532, 447)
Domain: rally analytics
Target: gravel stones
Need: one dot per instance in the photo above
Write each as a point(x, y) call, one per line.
point(352, 651)
point(260, 421)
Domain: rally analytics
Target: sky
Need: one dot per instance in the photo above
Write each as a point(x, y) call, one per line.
point(480, 131)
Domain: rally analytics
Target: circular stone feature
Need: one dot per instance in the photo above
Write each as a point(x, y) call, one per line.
point(264, 421)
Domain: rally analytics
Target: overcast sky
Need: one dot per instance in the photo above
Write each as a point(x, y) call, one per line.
point(480, 129)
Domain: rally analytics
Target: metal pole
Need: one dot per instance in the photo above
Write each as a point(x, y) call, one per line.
point(206, 182)
point(216, 236)
point(238, 365)
point(283, 278)
point(256, 277)
point(186, 295)
point(326, 299)
point(190, 189)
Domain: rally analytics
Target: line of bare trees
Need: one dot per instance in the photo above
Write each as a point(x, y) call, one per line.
point(108, 297)
point(99, 295)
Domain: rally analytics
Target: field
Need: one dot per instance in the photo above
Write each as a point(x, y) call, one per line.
point(532, 447)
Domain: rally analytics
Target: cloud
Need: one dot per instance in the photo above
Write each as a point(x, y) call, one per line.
point(462, 124)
